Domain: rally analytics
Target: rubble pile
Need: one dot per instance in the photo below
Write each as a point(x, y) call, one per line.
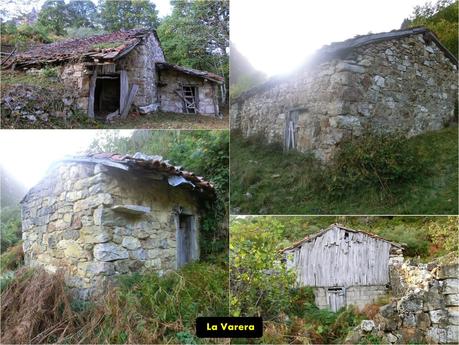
point(35, 103)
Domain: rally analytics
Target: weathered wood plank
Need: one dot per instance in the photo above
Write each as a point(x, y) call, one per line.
point(124, 88)
point(129, 101)
point(341, 258)
point(92, 92)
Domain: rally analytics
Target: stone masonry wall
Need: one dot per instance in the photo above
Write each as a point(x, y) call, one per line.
point(401, 85)
point(425, 307)
point(68, 223)
point(358, 296)
point(140, 67)
point(170, 101)
point(77, 77)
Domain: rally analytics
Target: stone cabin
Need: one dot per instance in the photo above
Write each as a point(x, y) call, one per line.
point(400, 81)
point(344, 266)
point(100, 215)
point(112, 71)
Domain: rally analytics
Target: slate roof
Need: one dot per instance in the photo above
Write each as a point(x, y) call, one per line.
point(124, 42)
point(338, 48)
point(341, 49)
point(190, 71)
point(145, 164)
point(310, 238)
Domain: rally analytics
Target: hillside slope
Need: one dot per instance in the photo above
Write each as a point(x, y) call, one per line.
point(264, 180)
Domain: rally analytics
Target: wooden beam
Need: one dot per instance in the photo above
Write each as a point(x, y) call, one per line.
point(130, 99)
point(92, 92)
point(124, 89)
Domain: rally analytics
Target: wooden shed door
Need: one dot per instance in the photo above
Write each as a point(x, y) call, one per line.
point(336, 298)
point(185, 239)
point(291, 121)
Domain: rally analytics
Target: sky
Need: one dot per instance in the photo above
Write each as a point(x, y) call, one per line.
point(163, 6)
point(27, 154)
point(277, 36)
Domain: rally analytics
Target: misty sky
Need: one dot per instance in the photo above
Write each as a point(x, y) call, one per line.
point(27, 154)
point(278, 35)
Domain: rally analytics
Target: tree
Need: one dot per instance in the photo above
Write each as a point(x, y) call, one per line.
point(128, 14)
point(54, 15)
point(260, 281)
point(441, 18)
point(82, 13)
point(196, 35)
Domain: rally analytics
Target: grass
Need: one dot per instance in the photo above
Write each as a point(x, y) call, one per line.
point(264, 180)
point(9, 78)
point(107, 45)
point(143, 308)
point(163, 120)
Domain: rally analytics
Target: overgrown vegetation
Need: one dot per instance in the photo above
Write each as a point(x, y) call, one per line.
point(195, 34)
point(10, 227)
point(441, 18)
point(261, 285)
point(374, 160)
point(370, 175)
point(36, 308)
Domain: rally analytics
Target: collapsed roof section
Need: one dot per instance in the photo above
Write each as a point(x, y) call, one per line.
point(190, 71)
point(106, 47)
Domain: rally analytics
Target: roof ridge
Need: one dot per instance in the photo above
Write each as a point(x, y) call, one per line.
point(310, 237)
point(327, 52)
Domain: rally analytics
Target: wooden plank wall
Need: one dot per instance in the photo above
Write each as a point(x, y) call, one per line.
point(333, 260)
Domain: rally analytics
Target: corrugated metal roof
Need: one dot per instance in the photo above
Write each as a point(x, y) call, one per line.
point(310, 238)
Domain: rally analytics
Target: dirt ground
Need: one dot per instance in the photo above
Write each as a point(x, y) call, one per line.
point(162, 120)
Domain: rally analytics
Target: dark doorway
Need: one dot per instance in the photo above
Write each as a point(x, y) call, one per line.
point(336, 298)
point(107, 95)
point(185, 239)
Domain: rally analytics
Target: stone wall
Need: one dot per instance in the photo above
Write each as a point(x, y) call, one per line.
point(425, 307)
point(77, 77)
point(140, 67)
point(170, 101)
point(358, 296)
point(396, 85)
point(68, 222)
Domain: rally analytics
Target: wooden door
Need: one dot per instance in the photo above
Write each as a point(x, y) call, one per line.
point(185, 239)
point(291, 123)
point(336, 298)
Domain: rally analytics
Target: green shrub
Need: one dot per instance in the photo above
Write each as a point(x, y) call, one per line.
point(49, 72)
point(444, 235)
point(374, 160)
point(12, 258)
point(10, 227)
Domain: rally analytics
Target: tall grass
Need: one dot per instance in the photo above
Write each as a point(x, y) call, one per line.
point(37, 308)
point(370, 175)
